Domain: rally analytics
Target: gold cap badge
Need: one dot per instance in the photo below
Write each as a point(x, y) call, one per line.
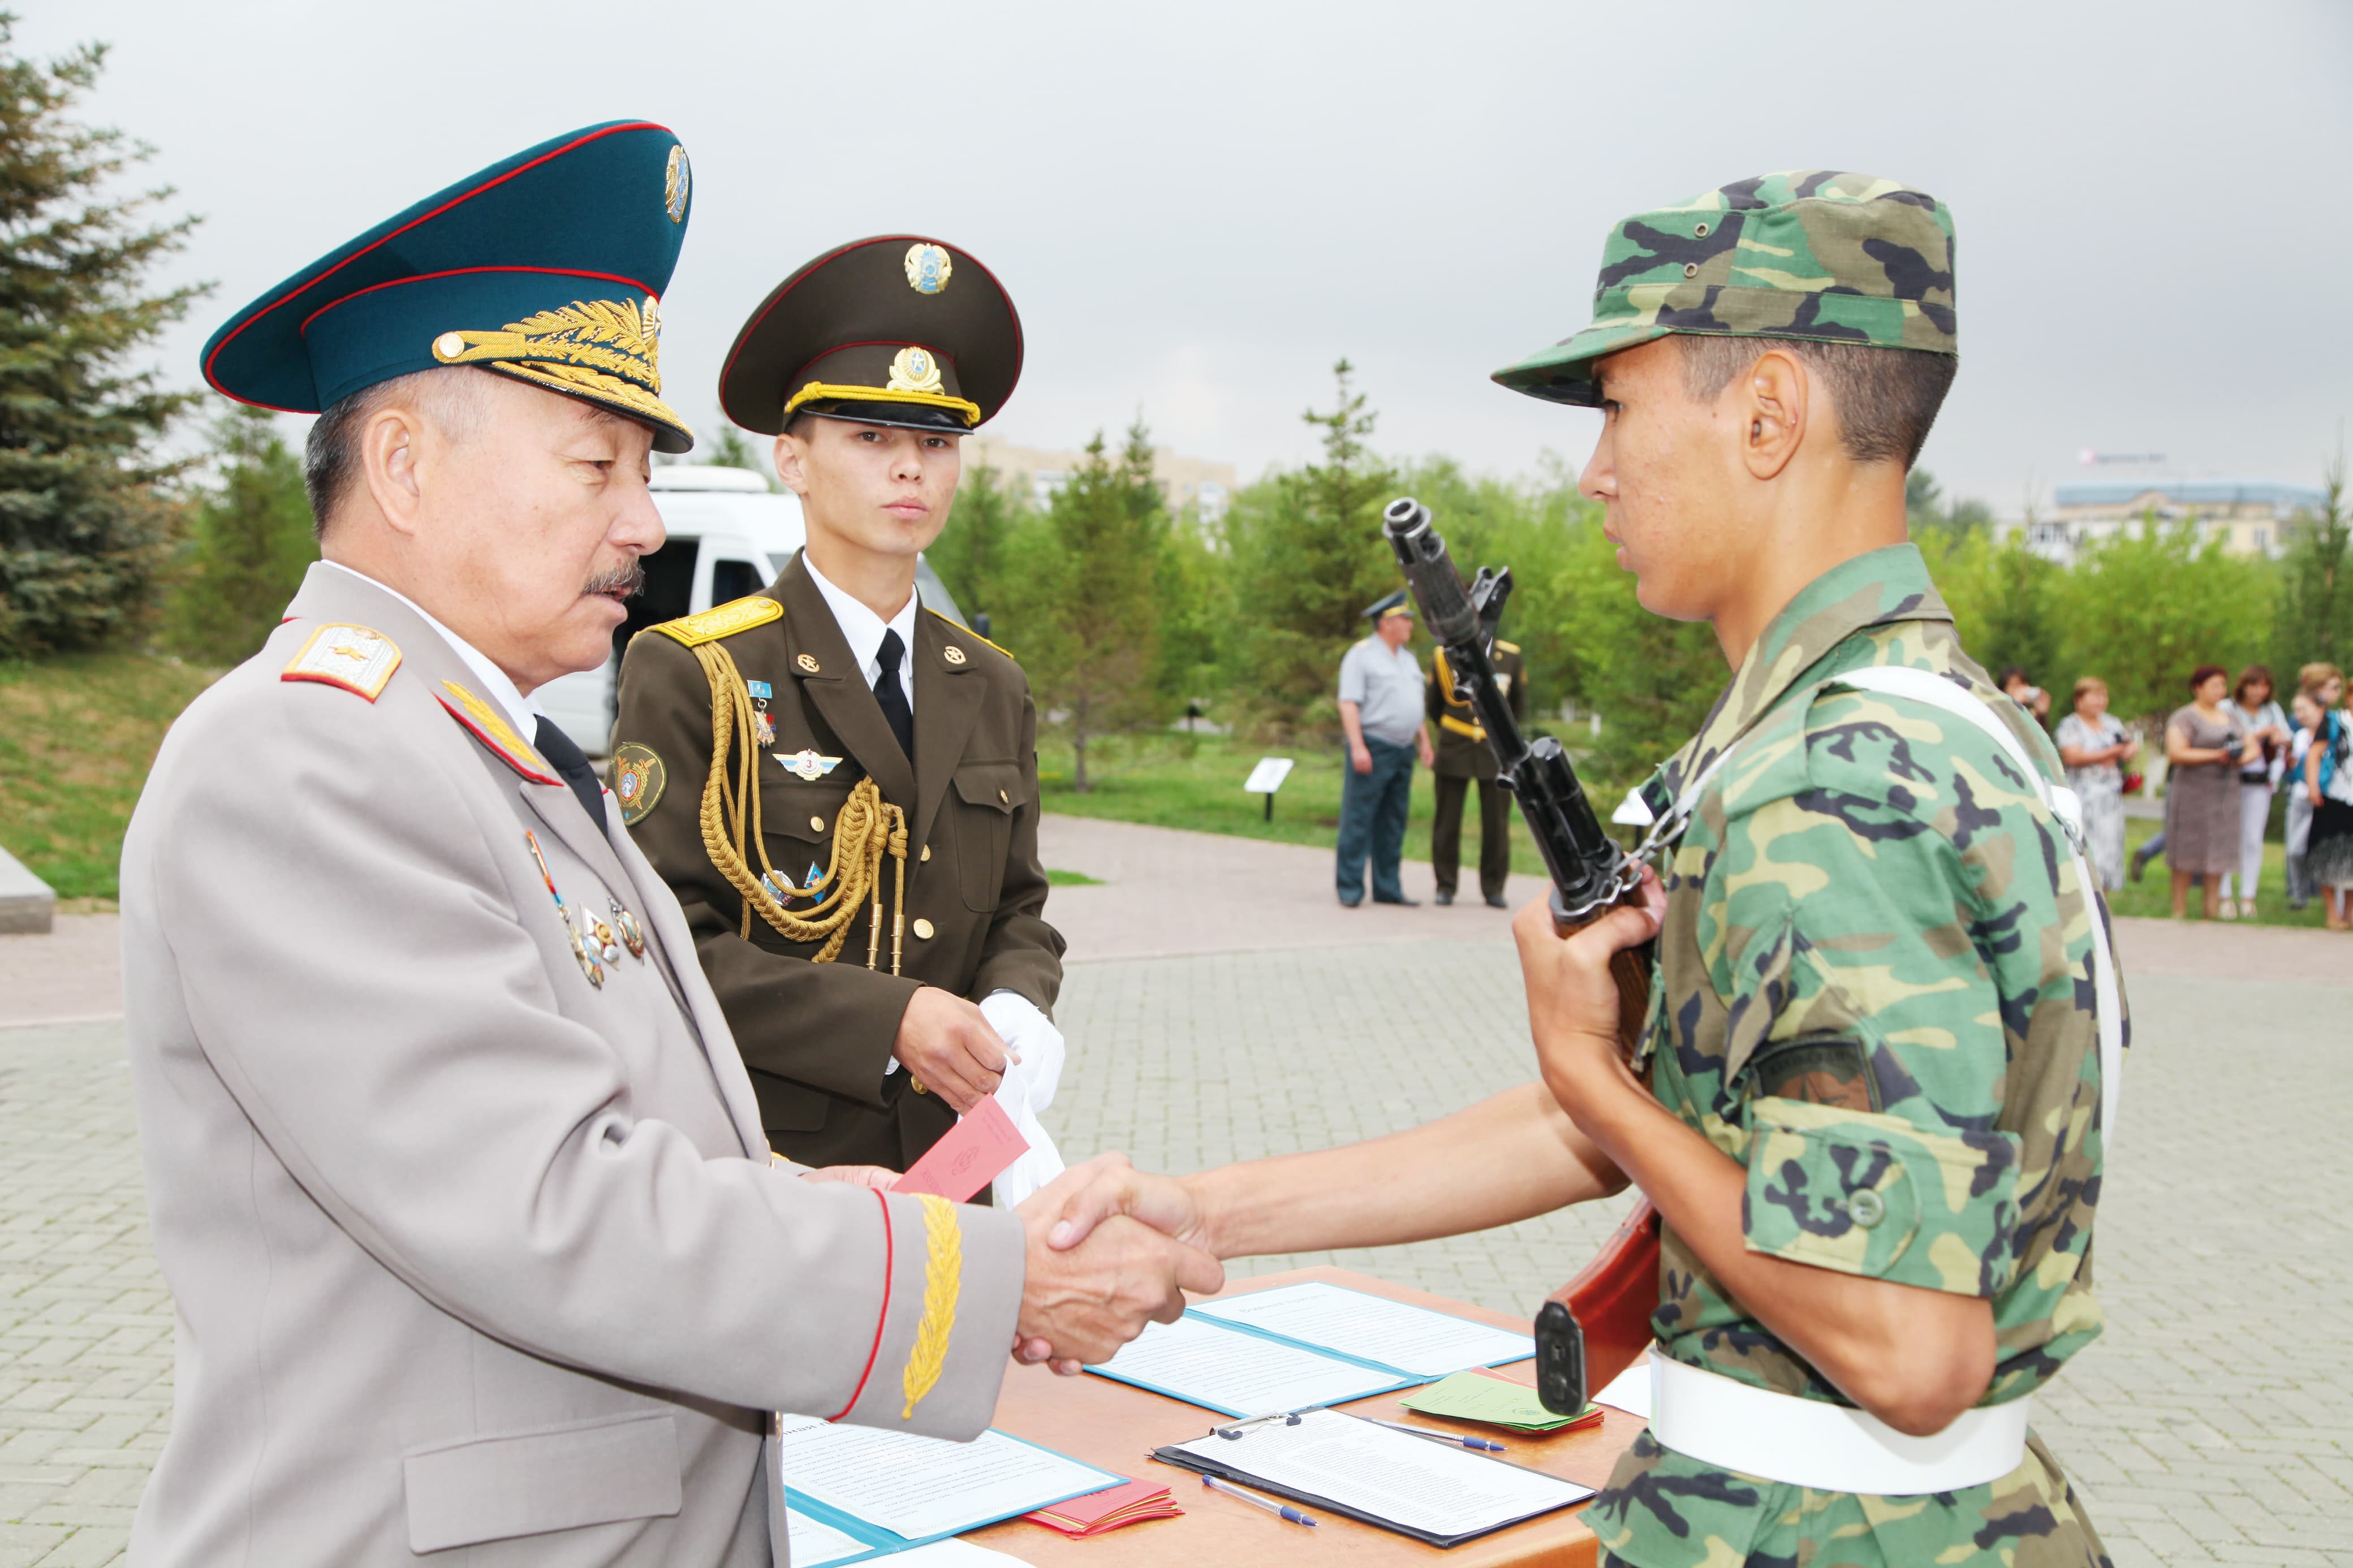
point(674, 185)
point(928, 267)
point(915, 369)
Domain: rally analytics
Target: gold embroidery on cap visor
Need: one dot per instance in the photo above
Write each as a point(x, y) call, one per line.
point(606, 350)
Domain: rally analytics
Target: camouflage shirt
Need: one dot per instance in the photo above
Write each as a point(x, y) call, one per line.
point(1874, 992)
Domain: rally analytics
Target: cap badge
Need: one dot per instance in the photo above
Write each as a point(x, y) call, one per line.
point(928, 267)
point(952, 654)
point(674, 185)
point(807, 766)
point(914, 370)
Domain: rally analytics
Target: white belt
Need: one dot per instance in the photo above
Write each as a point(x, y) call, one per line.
point(1733, 1425)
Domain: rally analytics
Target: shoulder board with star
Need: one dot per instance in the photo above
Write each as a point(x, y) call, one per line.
point(965, 631)
point(721, 621)
point(491, 727)
point(360, 660)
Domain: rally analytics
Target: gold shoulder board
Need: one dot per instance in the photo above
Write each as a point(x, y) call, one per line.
point(723, 621)
point(357, 658)
point(963, 630)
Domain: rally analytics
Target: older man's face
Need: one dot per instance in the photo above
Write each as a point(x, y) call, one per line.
point(537, 519)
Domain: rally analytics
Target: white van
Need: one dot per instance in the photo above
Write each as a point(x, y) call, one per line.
point(729, 536)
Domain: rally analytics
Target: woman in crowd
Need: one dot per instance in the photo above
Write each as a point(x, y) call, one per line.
point(2306, 717)
point(2094, 744)
point(2328, 785)
point(2261, 721)
point(2206, 743)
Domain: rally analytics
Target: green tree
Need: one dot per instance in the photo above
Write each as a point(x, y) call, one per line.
point(250, 542)
point(974, 553)
point(1306, 556)
point(2146, 607)
point(1194, 592)
point(729, 448)
point(1092, 643)
point(84, 531)
point(1929, 511)
point(1652, 679)
point(2009, 605)
point(2315, 623)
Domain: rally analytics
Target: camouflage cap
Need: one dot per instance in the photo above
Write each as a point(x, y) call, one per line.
point(1845, 258)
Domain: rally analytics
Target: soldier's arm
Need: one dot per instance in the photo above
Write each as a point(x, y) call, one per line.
point(829, 1025)
point(1022, 953)
point(1877, 935)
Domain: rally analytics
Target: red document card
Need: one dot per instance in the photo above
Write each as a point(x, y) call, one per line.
point(1100, 1511)
point(970, 1157)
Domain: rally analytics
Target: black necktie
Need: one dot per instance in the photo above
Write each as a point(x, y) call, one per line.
point(892, 695)
point(572, 763)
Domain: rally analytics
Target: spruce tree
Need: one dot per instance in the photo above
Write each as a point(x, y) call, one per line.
point(2315, 624)
point(84, 531)
point(250, 543)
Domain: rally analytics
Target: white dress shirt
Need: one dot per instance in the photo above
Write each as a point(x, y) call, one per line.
point(497, 685)
point(862, 629)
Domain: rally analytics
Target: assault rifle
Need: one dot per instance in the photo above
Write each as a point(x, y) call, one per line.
point(1592, 1328)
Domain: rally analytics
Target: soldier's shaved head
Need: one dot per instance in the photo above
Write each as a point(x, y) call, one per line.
point(1887, 398)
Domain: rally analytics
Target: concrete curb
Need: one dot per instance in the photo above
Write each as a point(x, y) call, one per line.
point(27, 904)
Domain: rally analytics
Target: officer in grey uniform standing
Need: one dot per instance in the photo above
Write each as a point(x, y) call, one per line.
point(1380, 709)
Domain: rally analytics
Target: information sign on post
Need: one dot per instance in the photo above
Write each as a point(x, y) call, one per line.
point(1266, 778)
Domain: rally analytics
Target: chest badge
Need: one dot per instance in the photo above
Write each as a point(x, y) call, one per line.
point(952, 654)
point(637, 779)
point(807, 766)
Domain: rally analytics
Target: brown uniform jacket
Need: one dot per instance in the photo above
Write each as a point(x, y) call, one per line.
point(1462, 748)
point(818, 1037)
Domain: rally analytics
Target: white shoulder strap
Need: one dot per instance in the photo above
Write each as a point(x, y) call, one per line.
point(1933, 690)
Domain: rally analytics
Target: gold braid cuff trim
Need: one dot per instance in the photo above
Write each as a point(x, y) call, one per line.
point(942, 1283)
point(577, 381)
point(819, 391)
point(867, 829)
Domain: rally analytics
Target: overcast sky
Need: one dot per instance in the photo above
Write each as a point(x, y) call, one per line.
point(1199, 206)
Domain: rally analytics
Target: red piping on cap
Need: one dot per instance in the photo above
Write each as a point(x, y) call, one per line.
point(395, 234)
point(463, 271)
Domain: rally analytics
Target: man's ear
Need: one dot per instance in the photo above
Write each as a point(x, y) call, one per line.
point(392, 460)
point(1777, 411)
point(790, 453)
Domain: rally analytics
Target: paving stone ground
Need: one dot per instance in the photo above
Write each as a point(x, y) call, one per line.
point(2213, 1423)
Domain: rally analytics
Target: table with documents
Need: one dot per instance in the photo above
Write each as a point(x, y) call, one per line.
point(1116, 1425)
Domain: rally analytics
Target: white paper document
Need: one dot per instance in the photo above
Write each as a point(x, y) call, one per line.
point(816, 1542)
point(1406, 1482)
point(916, 1487)
point(1631, 1390)
point(1239, 1373)
point(1412, 1339)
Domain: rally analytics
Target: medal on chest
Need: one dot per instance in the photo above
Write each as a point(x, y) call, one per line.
point(595, 943)
point(764, 725)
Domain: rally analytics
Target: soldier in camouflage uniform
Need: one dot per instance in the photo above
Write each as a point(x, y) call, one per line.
point(1871, 1104)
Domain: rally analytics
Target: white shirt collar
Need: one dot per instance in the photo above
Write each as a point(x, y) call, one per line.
point(862, 629)
point(501, 689)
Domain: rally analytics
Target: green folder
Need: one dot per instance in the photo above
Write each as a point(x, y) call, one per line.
point(1473, 1396)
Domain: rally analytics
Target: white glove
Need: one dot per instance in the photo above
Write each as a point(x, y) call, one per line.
point(1028, 1088)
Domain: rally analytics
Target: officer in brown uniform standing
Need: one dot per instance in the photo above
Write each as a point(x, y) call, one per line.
point(1464, 759)
point(841, 786)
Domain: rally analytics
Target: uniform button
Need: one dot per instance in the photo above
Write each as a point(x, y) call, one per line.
point(916, 1084)
point(923, 928)
point(1866, 1208)
point(1003, 798)
point(926, 854)
point(816, 824)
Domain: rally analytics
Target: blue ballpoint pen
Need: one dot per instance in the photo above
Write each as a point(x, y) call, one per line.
point(1480, 1444)
point(1282, 1511)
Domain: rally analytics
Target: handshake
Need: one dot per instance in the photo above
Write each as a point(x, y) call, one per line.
point(1109, 1249)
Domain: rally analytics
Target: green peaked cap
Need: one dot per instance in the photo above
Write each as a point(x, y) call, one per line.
point(1837, 258)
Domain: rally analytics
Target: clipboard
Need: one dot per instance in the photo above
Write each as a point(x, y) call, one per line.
point(1567, 1493)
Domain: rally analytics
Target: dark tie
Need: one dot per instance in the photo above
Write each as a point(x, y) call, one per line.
point(892, 695)
point(572, 763)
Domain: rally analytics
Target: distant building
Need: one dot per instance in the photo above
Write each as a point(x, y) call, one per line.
point(1184, 481)
point(2250, 517)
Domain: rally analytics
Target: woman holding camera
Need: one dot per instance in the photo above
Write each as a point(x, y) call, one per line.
point(2207, 744)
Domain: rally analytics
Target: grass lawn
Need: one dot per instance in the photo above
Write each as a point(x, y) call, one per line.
point(1174, 780)
point(76, 736)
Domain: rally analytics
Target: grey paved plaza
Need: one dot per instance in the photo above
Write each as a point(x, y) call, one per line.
point(2213, 1423)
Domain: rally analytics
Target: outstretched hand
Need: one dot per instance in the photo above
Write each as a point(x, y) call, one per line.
point(1088, 1290)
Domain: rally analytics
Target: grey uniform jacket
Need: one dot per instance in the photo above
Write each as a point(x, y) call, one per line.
point(470, 1254)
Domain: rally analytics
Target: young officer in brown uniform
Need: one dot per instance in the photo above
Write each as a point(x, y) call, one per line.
point(1464, 759)
point(841, 786)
